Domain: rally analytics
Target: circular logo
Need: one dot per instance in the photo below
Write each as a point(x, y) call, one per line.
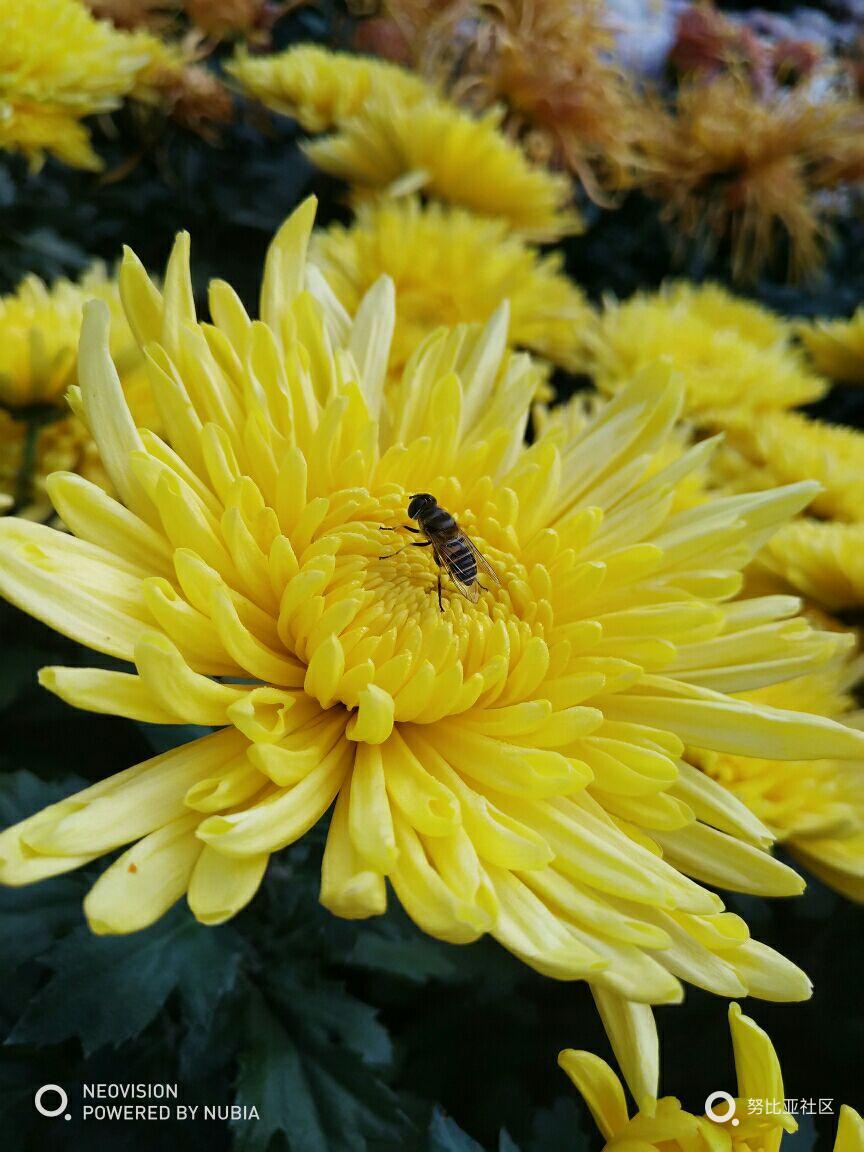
point(43, 1091)
point(720, 1117)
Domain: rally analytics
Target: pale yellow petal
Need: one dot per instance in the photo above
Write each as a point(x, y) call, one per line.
point(600, 1088)
point(143, 883)
point(221, 886)
point(632, 1031)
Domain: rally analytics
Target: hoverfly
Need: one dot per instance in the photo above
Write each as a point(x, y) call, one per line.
point(450, 546)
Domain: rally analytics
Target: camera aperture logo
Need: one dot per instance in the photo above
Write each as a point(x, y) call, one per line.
point(47, 1093)
point(107, 1102)
point(720, 1107)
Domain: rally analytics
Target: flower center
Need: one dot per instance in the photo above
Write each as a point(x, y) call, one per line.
point(362, 612)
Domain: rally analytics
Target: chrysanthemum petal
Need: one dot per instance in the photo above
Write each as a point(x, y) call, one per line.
point(143, 883)
point(113, 693)
point(73, 587)
point(721, 860)
point(282, 817)
point(633, 1035)
point(600, 1088)
point(133, 803)
point(108, 416)
point(220, 886)
point(89, 512)
point(850, 1131)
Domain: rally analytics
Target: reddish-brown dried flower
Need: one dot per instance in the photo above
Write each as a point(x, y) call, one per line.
point(194, 97)
point(551, 64)
point(731, 166)
point(130, 14)
point(227, 19)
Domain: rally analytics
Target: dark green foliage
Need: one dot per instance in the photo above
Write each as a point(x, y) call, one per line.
point(106, 991)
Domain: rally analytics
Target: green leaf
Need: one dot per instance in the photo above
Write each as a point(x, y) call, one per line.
point(559, 1129)
point(417, 958)
point(18, 671)
point(106, 990)
point(325, 1012)
point(506, 1143)
point(319, 1094)
point(445, 1135)
point(32, 918)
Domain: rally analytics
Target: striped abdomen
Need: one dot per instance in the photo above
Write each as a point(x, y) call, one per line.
point(459, 559)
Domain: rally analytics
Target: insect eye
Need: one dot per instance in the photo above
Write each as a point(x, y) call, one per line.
point(419, 501)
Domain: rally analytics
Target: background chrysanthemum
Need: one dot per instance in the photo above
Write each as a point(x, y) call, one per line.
point(434, 147)
point(449, 267)
point(320, 88)
point(39, 329)
point(511, 767)
point(552, 65)
point(391, 131)
point(760, 1114)
point(784, 446)
point(59, 65)
point(815, 807)
point(836, 347)
point(822, 560)
point(735, 357)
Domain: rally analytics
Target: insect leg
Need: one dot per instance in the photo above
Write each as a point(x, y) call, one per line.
point(407, 527)
point(440, 605)
point(413, 544)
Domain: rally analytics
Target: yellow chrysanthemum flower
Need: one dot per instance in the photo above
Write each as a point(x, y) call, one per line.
point(512, 765)
point(815, 807)
point(321, 89)
point(57, 65)
point(787, 446)
point(757, 1125)
point(39, 330)
point(392, 146)
point(836, 347)
point(735, 356)
point(568, 420)
point(821, 560)
point(448, 267)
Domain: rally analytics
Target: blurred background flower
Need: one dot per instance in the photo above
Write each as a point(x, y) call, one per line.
point(39, 434)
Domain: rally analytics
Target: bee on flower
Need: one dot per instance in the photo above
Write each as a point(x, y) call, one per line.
point(511, 766)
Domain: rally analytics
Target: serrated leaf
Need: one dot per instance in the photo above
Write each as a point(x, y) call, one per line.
point(559, 1129)
point(32, 918)
point(506, 1143)
point(106, 990)
point(445, 1135)
point(416, 958)
point(326, 1012)
point(319, 1095)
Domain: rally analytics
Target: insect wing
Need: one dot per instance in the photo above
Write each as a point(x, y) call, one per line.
point(469, 591)
point(482, 562)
